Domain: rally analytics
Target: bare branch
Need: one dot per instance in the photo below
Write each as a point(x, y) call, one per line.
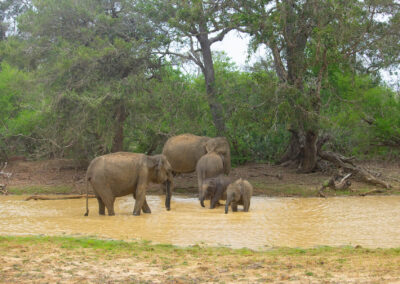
point(220, 36)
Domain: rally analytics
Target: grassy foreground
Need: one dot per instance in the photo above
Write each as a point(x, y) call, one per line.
point(86, 260)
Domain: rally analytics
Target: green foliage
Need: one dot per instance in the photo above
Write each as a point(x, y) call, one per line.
point(363, 114)
point(78, 72)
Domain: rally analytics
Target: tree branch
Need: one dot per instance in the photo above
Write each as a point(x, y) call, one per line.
point(220, 36)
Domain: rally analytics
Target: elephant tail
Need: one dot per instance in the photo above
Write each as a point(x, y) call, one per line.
point(87, 196)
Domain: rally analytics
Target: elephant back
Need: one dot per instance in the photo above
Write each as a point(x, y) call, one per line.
point(184, 151)
point(210, 165)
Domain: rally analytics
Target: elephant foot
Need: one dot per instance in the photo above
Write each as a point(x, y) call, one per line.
point(168, 209)
point(111, 214)
point(136, 214)
point(146, 211)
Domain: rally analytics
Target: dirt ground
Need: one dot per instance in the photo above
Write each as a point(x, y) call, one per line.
point(267, 179)
point(56, 262)
point(72, 261)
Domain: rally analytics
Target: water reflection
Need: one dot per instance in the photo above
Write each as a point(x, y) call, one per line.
point(294, 222)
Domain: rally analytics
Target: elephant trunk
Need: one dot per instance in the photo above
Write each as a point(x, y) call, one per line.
point(228, 202)
point(168, 195)
point(202, 201)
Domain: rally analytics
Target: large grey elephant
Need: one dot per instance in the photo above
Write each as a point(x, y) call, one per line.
point(210, 165)
point(184, 151)
point(215, 189)
point(122, 173)
point(238, 193)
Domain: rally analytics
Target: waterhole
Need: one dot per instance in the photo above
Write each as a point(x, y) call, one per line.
point(291, 222)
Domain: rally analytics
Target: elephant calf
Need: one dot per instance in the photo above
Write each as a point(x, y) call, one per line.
point(122, 173)
point(210, 165)
point(238, 193)
point(215, 189)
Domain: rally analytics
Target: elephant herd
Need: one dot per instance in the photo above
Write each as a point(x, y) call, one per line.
point(119, 174)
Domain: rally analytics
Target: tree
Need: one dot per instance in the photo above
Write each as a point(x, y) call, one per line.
point(94, 57)
point(304, 39)
point(9, 10)
point(192, 28)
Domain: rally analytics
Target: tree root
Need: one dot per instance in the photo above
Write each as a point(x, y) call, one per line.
point(40, 197)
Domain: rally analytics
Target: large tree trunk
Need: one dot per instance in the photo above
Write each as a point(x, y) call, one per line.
point(120, 117)
point(209, 77)
point(310, 152)
point(294, 150)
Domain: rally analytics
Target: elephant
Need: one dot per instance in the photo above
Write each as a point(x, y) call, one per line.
point(184, 151)
point(215, 188)
point(122, 173)
point(210, 165)
point(238, 193)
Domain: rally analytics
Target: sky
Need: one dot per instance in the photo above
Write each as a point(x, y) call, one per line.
point(235, 45)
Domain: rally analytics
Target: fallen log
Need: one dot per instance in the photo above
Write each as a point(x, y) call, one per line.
point(343, 163)
point(371, 192)
point(278, 176)
point(3, 189)
point(41, 197)
point(335, 184)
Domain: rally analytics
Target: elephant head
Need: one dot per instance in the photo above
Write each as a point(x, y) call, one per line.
point(238, 192)
point(159, 168)
point(220, 146)
point(214, 188)
point(161, 172)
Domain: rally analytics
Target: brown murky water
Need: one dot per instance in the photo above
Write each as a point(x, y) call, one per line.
point(293, 222)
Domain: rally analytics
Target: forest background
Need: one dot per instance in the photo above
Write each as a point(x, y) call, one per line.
point(83, 78)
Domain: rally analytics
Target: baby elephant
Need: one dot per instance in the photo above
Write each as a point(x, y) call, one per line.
point(215, 188)
point(238, 193)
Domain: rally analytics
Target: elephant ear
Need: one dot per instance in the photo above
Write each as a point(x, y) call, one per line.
point(218, 145)
point(154, 161)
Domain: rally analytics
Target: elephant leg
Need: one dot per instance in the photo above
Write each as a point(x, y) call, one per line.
point(145, 207)
point(246, 204)
point(102, 207)
point(140, 199)
point(234, 207)
point(168, 193)
point(217, 196)
point(109, 203)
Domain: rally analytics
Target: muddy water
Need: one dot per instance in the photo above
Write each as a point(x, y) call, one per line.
point(294, 222)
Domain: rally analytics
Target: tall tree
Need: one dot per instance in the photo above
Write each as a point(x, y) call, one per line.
point(90, 53)
point(192, 28)
point(304, 38)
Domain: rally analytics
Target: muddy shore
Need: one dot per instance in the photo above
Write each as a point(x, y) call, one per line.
point(64, 176)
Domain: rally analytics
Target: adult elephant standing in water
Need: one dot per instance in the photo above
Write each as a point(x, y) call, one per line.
point(184, 151)
point(122, 173)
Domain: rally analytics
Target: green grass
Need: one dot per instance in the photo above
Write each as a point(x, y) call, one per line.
point(72, 243)
point(284, 189)
point(59, 189)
